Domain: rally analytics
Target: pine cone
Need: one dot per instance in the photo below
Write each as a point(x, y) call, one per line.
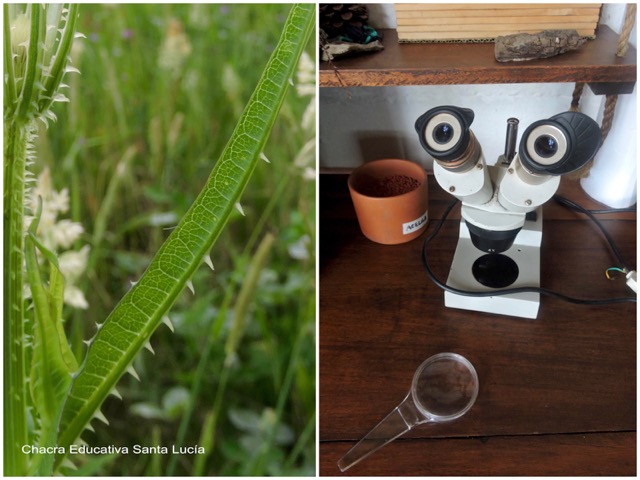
point(344, 20)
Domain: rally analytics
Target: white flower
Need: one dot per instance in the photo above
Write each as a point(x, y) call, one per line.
point(73, 264)
point(58, 234)
point(53, 203)
point(175, 49)
point(42, 188)
point(307, 155)
point(299, 249)
point(309, 116)
point(306, 76)
point(199, 16)
point(74, 297)
point(309, 174)
point(65, 232)
point(59, 201)
point(232, 85)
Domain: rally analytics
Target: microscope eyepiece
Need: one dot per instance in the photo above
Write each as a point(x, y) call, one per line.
point(562, 144)
point(444, 133)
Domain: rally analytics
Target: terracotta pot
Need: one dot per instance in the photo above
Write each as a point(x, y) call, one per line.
point(393, 219)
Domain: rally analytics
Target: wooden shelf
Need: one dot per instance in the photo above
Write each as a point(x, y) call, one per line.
point(474, 63)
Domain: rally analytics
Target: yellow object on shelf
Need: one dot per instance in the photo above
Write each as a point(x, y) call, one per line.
point(477, 22)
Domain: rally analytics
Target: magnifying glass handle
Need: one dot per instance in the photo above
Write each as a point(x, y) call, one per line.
point(401, 419)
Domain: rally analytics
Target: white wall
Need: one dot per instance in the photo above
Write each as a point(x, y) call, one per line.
point(613, 176)
point(366, 123)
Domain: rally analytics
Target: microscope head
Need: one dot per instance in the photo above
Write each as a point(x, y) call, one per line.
point(495, 200)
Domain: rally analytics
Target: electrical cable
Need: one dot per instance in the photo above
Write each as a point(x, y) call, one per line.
point(614, 210)
point(507, 291)
point(574, 206)
point(614, 269)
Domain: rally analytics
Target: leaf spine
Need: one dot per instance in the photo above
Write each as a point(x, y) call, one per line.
point(190, 286)
point(100, 416)
point(133, 372)
point(207, 260)
point(149, 347)
point(167, 321)
point(239, 208)
point(67, 463)
point(264, 157)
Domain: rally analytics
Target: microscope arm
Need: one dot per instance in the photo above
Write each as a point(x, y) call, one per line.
point(522, 191)
point(472, 186)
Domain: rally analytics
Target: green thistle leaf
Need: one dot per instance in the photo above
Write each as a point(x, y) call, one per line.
point(129, 327)
point(53, 362)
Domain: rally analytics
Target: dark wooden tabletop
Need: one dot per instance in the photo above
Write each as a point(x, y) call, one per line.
point(557, 394)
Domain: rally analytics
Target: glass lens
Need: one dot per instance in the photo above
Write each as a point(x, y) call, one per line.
point(443, 133)
point(445, 386)
point(546, 146)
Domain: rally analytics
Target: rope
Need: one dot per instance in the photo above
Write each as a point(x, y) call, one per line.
point(607, 118)
point(575, 98)
point(611, 100)
point(623, 48)
point(629, 22)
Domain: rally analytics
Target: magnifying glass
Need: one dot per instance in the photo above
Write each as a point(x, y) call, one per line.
point(444, 388)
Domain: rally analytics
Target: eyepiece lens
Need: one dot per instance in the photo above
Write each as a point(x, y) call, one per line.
point(443, 133)
point(546, 146)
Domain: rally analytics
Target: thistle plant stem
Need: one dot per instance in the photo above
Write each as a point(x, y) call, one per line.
point(16, 136)
point(35, 63)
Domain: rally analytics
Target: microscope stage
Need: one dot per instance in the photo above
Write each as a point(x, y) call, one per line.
point(525, 252)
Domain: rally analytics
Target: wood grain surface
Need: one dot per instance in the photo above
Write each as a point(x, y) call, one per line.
point(473, 63)
point(557, 394)
point(584, 454)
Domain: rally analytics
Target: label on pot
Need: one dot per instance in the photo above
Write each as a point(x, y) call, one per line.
point(416, 224)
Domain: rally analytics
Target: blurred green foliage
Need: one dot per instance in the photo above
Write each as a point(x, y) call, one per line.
point(160, 91)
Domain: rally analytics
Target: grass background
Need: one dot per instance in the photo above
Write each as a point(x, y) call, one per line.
point(134, 146)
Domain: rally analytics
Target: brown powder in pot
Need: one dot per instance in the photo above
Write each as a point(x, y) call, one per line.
point(391, 186)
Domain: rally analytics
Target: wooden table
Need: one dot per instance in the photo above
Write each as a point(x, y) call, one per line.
point(557, 394)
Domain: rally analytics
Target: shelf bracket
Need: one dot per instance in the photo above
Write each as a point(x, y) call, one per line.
point(612, 88)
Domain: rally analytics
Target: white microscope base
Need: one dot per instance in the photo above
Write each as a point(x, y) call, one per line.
point(525, 252)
